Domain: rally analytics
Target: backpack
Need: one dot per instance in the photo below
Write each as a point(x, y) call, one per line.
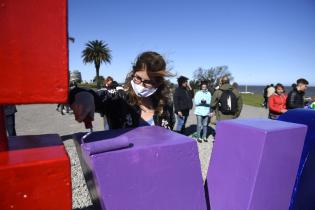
point(228, 102)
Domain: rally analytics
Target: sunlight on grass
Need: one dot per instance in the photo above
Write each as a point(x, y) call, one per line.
point(253, 99)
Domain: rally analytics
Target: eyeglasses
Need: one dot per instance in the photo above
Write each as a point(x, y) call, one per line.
point(146, 83)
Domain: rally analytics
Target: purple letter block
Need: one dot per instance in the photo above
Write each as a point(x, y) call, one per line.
point(254, 164)
point(304, 190)
point(145, 168)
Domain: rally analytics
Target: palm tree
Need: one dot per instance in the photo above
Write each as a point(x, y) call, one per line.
point(96, 52)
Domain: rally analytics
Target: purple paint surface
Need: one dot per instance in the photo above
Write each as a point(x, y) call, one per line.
point(304, 190)
point(160, 171)
point(254, 164)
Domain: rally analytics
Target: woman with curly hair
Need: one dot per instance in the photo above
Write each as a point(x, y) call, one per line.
point(145, 99)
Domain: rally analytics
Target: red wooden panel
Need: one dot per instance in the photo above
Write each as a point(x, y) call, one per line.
point(35, 174)
point(33, 52)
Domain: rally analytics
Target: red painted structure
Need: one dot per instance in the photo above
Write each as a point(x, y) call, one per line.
point(33, 52)
point(35, 174)
point(34, 171)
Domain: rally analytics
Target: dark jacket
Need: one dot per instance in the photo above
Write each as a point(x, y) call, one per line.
point(295, 99)
point(215, 102)
point(182, 99)
point(120, 113)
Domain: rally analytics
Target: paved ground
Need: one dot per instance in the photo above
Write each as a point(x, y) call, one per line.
point(42, 119)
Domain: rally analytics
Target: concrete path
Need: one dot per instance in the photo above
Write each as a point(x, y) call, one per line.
point(44, 119)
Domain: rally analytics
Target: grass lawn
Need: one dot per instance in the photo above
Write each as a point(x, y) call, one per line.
point(253, 99)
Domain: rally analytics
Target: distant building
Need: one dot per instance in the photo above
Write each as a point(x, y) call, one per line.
point(76, 76)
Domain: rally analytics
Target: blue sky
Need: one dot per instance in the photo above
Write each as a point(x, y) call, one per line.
point(266, 41)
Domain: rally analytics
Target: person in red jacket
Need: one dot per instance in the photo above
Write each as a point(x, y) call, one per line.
point(277, 102)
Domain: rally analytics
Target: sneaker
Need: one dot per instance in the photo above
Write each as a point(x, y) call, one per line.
point(205, 140)
point(199, 140)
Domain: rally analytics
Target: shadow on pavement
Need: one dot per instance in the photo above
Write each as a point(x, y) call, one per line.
point(86, 208)
point(66, 137)
point(190, 130)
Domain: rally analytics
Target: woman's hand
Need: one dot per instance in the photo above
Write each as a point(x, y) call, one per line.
point(180, 114)
point(188, 86)
point(83, 108)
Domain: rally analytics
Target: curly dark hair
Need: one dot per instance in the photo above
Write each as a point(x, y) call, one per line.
point(302, 80)
point(181, 80)
point(203, 83)
point(155, 66)
point(279, 85)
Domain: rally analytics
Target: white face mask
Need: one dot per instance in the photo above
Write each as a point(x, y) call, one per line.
point(142, 91)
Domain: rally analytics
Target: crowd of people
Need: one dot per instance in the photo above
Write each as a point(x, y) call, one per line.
point(278, 102)
point(146, 99)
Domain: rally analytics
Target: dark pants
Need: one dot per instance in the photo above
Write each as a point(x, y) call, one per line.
point(10, 125)
point(62, 106)
point(181, 121)
point(202, 124)
point(266, 102)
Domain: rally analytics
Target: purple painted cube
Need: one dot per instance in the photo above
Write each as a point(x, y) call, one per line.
point(254, 164)
point(304, 190)
point(143, 168)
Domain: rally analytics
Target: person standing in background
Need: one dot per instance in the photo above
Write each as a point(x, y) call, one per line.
point(109, 87)
point(296, 96)
point(277, 102)
point(293, 86)
point(182, 100)
point(270, 90)
point(265, 93)
point(235, 86)
point(108, 83)
point(202, 111)
point(9, 112)
point(226, 101)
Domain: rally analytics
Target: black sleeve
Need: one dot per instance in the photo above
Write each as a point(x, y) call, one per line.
point(191, 93)
point(168, 116)
point(176, 101)
point(172, 116)
point(291, 101)
point(102, 98)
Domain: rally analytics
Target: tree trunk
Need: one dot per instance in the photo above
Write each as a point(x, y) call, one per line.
point(97, 67)
point(98, 85)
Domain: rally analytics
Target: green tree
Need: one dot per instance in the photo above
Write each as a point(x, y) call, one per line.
point(212, 75)
point(100, 79)
point(96, 52)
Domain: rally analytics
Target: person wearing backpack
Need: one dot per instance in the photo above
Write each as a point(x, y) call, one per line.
point(226, 101)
